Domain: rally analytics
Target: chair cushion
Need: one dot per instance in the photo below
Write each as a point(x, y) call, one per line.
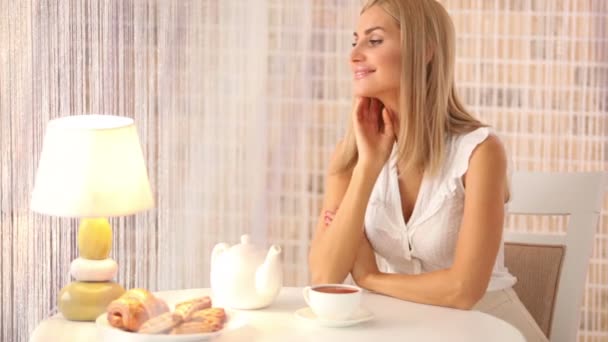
point(537, 268)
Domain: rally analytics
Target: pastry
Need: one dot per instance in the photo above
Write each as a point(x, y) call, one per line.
point(159, 324)
point(196, 327)
point(133, 308)
point(217, 314)
point(137, 310)
point(183, 311)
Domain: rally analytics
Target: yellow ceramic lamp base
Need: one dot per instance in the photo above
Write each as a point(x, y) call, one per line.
point(86, 300)
point(80, 301)
point(94, 238)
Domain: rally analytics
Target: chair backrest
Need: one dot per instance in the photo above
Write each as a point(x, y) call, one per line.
point(561, 270)
point(537, 268)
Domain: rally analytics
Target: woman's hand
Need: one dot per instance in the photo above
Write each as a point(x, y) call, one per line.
point(374, 132)
point(365, 262)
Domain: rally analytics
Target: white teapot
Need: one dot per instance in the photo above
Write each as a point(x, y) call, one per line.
point(244, 276)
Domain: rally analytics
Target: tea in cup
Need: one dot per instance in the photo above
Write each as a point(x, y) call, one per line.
point(333, 301)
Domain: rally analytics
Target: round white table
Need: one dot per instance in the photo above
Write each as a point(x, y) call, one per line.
point(395, 320)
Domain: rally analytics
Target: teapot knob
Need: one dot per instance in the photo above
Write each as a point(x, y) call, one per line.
point(245, 239)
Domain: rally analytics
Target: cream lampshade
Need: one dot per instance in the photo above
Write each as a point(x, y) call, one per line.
point(91, 167)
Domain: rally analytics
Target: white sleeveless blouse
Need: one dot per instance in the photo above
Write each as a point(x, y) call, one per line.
point(428, 241)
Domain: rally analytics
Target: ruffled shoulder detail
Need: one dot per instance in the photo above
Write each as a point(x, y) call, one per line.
point(464, 146)
point(445, 185)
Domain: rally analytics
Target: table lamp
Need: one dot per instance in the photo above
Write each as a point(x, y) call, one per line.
point(91, 167)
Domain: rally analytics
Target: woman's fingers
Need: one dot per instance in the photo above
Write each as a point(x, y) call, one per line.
point(369, 111)
point(387, 120)
point(373, 113)
point(328, 217)
point(361, 108)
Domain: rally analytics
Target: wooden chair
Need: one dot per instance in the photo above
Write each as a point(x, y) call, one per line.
point(551, 269)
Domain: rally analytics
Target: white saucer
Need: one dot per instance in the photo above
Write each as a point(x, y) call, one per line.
point(360, 316)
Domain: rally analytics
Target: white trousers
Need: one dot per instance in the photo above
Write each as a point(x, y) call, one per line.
point(505, 304)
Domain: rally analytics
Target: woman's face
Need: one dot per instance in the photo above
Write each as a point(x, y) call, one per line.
point(376, 56)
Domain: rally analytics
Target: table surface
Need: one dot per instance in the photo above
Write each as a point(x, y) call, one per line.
point(394, 320)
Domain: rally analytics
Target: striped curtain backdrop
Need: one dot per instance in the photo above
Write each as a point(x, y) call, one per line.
point(239, 105)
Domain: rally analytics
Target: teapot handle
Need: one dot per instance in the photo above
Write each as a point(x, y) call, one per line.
point(217, 250)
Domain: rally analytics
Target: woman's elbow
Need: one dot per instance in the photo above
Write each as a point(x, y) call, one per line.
point(323, 271)
point(464, 302)
point(465, 296)
point(318, 279)
point(320, 275)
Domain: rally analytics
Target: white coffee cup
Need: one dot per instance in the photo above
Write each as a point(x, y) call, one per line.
point(333, 301)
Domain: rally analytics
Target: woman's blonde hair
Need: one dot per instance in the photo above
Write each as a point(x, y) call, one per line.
point(429, 108)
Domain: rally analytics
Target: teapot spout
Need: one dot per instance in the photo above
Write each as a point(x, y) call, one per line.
point(269, 275)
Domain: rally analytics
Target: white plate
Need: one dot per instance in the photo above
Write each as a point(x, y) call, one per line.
point(362, 315)
point(108, 333)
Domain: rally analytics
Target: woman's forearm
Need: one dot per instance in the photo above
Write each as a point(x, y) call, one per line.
point(333, 251)
point(443, 288)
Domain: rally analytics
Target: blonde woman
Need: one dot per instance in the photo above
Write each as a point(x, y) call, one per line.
point(417, 180)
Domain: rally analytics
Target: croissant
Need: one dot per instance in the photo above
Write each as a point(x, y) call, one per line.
point(133, 308)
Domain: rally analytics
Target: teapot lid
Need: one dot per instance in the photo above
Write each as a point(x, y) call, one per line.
point(245, 248)
point(245, 239)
